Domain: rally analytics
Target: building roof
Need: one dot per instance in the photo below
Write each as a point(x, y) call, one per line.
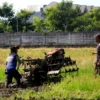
point(36, 14)
point(52, 4)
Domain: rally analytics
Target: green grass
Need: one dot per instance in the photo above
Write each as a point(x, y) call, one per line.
point(81, 85)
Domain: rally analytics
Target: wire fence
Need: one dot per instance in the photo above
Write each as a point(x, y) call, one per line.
point(50, 39)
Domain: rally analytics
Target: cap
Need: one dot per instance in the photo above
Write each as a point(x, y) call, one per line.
point(97, 35)
point(15, 47)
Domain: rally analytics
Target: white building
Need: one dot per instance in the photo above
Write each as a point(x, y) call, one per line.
point(40, 12)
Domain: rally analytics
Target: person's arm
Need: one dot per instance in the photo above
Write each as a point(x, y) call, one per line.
point(6, 65)
point(19, 61)
point(93, 53)
point(6, 61)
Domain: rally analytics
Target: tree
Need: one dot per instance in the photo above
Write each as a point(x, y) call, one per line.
point(20, 21)
point(1, 26)
point(7, 13)
point(8, 28)
point(76, 12)
point(90, 21)
point(24, 14)
point(24, 29)
point(51, 14)
point(61, 16)
point(39, 24)
point(17, 22)
point(6, 10)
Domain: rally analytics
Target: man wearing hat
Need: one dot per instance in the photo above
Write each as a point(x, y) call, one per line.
point(11, 65)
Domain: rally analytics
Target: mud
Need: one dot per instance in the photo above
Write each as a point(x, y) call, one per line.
point(13, 89)
point(7, 92)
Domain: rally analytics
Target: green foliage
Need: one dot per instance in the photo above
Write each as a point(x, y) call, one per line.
point(61, 16)
point(15, 22)
point(1, 26)
point(9, 29)
point(6, 10)
point(22, 18)
point(19, 22)
point(40, 25)
point(24, 14)
point(24, 29)
point(88, 22)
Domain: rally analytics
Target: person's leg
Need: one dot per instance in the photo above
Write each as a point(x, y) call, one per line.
point(17, 76)
point(8, 79)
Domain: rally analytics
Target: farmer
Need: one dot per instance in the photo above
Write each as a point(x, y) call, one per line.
point(11, 64)
point(97, 62)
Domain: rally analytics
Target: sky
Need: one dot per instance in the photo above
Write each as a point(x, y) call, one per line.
point(21, 4)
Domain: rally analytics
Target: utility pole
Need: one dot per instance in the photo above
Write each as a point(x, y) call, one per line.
point(17, 29)
point(17, 23)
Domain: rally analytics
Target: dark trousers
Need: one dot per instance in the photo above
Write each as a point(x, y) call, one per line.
point(12, 74)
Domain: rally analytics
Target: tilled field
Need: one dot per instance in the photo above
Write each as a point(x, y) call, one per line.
point(7, 92)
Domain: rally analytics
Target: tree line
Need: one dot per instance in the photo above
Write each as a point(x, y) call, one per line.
point(11, 22)
point(60, 18)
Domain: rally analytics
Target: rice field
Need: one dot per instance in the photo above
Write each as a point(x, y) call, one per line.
point(78, 86)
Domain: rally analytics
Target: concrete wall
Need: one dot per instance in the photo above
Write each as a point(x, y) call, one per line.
point(60, 38)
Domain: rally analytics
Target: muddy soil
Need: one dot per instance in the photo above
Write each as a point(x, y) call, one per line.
point(13, 89)
point(7, 92)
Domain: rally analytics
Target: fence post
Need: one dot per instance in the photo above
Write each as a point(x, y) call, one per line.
point(69, 38)
point(10, 39)
point(57, 39)
point(45, 39)
point(3, 41)
point(83, 38)
point(20, 39)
